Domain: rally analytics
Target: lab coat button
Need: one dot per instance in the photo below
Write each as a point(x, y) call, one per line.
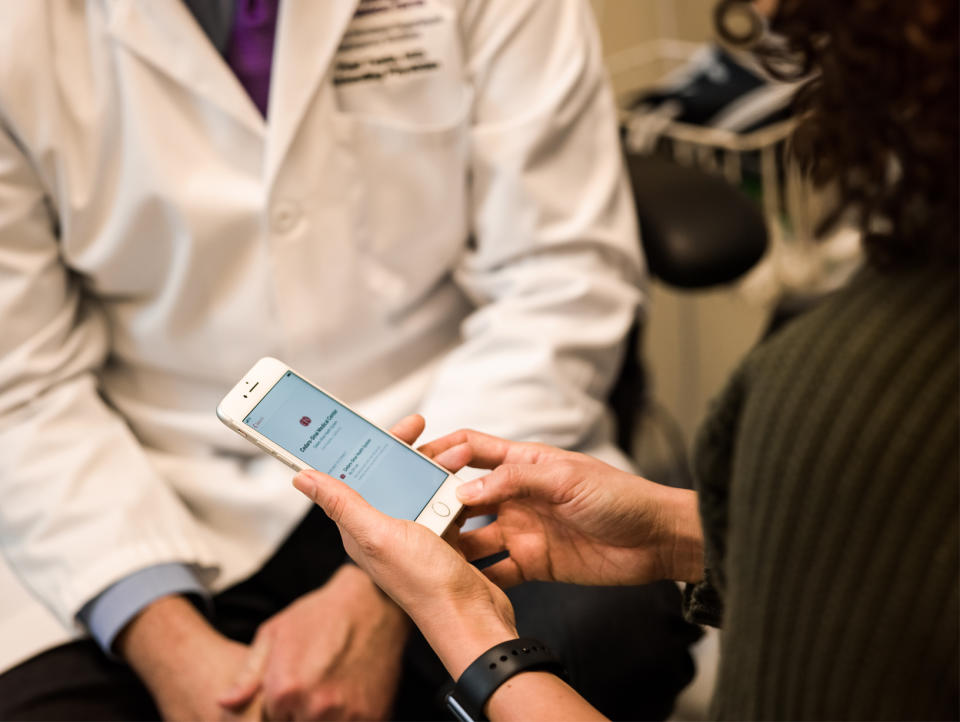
point(285, 216)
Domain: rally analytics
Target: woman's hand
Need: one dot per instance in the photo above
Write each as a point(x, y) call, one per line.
point(567, 517)
point(460, 612)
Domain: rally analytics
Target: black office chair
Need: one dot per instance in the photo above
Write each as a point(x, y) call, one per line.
point(698, 231)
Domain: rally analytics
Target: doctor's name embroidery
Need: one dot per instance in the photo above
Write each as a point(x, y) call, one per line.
point(393, 35)
point(380, 67)
point(372, 7)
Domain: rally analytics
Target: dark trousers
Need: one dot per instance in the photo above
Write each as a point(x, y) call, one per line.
point(625, 648)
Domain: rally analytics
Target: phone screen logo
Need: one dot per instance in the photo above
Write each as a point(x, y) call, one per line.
point(305, 421)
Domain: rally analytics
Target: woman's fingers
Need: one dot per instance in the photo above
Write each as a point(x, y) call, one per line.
point(454, 458)
point(438, 446)
point(482, 542)
point(409, 428)
point(510, 481)
point(486, 452)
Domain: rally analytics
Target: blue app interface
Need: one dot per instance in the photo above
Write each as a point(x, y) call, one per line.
point(333, 439)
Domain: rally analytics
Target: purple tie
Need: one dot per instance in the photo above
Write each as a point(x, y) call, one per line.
point(250, 50)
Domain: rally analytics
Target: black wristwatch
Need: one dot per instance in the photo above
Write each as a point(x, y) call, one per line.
point(494, 667)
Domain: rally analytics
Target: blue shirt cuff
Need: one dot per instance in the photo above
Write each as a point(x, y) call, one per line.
point(106, 615)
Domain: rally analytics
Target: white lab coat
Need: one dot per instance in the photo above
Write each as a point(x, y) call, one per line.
point(157, 237)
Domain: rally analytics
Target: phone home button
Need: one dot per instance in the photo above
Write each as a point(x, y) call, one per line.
point(441, 509)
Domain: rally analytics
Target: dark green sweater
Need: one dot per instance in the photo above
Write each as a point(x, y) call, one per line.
point(828, 479)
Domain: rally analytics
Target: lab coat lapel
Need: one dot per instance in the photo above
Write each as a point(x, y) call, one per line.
point(164, 34)
point(308, 35)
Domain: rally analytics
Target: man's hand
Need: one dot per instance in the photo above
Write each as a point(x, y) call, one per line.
point(183, 661)
point(568, 517)
point(333, 654)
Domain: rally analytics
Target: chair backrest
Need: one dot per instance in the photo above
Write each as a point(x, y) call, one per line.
point(697, 231)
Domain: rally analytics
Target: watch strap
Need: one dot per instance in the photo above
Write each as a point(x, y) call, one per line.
point(494, 667)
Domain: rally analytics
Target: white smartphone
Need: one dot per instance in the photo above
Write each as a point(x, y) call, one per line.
point(306, 428)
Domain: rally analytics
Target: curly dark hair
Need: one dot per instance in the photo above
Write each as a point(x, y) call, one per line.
point(879, 114)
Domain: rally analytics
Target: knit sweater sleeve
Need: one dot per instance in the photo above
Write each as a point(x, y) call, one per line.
point(713, 463)
point(828, 479)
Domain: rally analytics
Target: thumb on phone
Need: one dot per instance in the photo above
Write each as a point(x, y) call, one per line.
point(345, 507)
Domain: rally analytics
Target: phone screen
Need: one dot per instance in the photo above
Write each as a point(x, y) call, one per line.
point(331, 438)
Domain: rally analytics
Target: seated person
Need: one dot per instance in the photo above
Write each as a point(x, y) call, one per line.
point(826, 542)
point(383, 194)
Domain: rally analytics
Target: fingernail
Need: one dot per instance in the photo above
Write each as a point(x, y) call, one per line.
point(306, 485)
point(470, 490)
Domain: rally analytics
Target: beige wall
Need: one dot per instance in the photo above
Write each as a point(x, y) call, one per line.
point(626, 23)
point(693, 340)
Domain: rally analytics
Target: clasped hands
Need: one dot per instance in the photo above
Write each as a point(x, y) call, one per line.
point(335, 653)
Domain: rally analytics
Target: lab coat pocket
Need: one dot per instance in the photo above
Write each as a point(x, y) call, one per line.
point(410, 208)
